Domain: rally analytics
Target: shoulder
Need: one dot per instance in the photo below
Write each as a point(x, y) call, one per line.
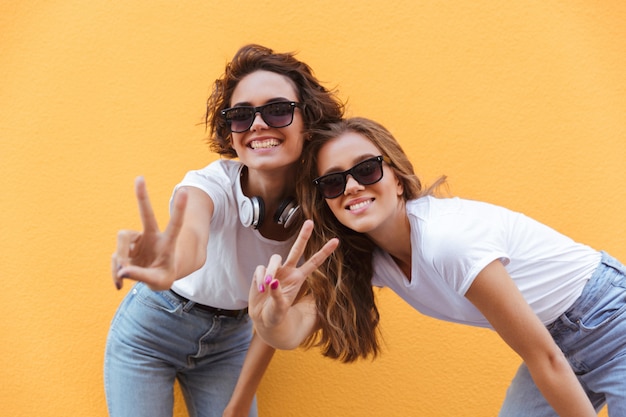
point(456, 211)
point(218, 175)
point(219, 180)
point(451, 228)
point(219, 168)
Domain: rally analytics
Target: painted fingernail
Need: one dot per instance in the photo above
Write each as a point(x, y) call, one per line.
point(261, 288)
point(274, 285)
point(268, 279)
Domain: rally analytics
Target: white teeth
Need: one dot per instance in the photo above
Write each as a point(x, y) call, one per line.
point(262, 144)
point(360, 205)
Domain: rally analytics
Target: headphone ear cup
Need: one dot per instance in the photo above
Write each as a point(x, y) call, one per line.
point(287, 212)
point(245, 212)
point(251, 212)
point(258, 212)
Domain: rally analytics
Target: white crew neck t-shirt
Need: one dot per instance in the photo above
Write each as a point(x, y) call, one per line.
point(454, 239)
point(234, 251)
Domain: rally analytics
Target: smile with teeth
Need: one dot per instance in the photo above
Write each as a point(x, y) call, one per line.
point(264, 144)
point(360, 204)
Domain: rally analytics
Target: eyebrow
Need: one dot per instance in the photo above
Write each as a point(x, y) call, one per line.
point(271, 100)
point(355, 161)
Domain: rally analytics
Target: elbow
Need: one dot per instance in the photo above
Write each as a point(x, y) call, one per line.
point(555, 359)
point(559, 363)
point(200, 259)
point(551, 366)
point(196, 261)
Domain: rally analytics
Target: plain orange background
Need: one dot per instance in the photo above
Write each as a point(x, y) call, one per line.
point(521, 104)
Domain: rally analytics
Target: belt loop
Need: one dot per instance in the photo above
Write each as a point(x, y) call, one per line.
point(188, 306)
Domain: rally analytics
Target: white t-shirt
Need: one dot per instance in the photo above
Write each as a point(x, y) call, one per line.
point(233, 251)
point(453, 239)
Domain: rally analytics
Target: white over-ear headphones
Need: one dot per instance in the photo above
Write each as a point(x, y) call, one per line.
point(252, 212)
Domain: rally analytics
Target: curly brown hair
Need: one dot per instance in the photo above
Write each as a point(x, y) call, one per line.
point(320, 105)
point(347, 313)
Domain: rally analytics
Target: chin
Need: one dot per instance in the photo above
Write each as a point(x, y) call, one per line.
point(359, 226)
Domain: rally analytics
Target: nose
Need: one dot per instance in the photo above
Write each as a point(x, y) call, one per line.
point(258, 122)
point(352, 185)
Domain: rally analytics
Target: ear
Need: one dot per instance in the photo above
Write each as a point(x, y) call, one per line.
point(399, 187)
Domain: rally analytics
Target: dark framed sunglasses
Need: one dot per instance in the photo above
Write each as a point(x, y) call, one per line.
point(366, 172)
point(277, 114)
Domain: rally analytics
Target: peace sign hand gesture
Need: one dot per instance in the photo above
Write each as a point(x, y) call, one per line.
point(274, 289)
point(148, 256)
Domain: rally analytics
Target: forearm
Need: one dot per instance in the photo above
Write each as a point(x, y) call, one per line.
point(191, 246)
point(495, 294)
point(559, 385)
point(257, 360)
point(190, 255)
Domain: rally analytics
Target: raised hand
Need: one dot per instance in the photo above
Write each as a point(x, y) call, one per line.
point(275, 287)
point(148, 256)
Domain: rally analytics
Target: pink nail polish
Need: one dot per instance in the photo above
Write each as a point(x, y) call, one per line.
point(274, 285)
point(261, 288)
point(268, 279)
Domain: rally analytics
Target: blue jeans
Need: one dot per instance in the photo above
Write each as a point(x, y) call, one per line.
point(155, 338)
point(592, 334)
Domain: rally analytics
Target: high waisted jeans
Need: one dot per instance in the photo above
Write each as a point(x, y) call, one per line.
point(592, 334)
point(155, 338)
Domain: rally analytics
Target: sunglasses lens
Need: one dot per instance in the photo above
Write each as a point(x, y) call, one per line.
point(332, 185)
point(368, 172)
point(278, 114)
point(240, 118)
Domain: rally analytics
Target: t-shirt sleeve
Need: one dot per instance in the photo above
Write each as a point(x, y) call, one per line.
point(215, 182)
point(461, 244)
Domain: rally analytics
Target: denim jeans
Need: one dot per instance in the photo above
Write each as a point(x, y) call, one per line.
point(155, 338)
point(592, 334)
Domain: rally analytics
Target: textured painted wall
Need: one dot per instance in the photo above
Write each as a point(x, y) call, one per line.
point(519, 103)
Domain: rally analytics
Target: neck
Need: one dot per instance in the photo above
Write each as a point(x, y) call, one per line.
point(395, 238)
point(272, 186)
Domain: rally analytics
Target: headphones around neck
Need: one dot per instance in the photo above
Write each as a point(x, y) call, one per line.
point(252, 212)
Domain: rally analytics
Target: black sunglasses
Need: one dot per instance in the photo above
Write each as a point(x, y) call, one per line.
point(278, 114)
point(366, 172)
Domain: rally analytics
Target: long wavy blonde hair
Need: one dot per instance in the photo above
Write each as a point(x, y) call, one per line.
point(347, 313)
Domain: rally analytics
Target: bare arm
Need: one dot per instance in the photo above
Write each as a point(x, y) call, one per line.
point(159, 258)
point(278, 320)
point(257, 360)
point(494, 293)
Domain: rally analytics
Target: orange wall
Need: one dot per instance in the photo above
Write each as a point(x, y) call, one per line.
point(520, 103)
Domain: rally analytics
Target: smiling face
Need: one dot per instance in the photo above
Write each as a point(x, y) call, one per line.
point(263, 147)
point(362, 208)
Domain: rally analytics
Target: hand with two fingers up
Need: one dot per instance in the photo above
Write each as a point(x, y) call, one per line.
point(275, 288)
point(149, 256)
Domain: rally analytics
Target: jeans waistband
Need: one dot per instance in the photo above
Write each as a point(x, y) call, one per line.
point(237, 314)
point(594, 290)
